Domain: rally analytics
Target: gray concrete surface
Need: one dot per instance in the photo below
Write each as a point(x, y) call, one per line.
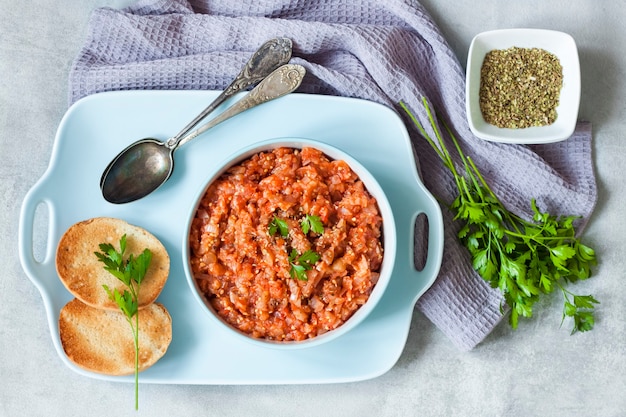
point(538, 370)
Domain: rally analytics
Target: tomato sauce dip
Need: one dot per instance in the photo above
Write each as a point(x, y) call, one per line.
point(249, 271)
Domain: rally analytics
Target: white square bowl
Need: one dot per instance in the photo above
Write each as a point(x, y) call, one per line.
point(563, 47)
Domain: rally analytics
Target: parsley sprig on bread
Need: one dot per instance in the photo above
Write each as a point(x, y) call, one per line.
point(93, 331)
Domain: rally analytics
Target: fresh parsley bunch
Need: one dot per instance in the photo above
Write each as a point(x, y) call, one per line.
point(522, 258)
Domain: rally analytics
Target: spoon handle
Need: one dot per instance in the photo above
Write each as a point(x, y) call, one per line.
point(282, 81)
point(271, 55)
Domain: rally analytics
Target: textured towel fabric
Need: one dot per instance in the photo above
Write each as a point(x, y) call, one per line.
point(386, 52)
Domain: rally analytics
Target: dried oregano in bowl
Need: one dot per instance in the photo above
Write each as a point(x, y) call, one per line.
point(520, 87)
point(523, 86)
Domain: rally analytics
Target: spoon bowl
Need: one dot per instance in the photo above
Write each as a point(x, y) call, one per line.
point(138, 170)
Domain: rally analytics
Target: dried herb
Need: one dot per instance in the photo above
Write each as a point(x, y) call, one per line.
point(520, 87)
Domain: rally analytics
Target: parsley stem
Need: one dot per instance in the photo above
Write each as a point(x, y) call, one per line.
point(136, 335)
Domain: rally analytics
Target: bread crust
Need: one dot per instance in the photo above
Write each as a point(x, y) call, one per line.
point(84, 275)
point(101, 341)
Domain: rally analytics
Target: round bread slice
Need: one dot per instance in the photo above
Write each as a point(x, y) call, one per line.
point(84, 275)
point(101, 341)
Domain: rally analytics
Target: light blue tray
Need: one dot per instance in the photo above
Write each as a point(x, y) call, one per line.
point(97, 127)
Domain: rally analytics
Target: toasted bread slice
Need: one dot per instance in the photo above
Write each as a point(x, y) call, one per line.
point(84, 275)
point(101, 340)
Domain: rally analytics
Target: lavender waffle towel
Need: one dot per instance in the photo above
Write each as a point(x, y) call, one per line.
point(384, 51)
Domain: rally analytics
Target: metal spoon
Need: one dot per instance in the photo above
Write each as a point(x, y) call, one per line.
point(146, 164)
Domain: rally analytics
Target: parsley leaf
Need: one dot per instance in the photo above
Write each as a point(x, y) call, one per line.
point(524, 259)
point(124, 301)
point(278, 225)
point(308, 259)
point(311, 222)
point(299, 264)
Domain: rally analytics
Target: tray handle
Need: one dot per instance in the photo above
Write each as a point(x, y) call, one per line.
point(429, 267)
point(36, 209)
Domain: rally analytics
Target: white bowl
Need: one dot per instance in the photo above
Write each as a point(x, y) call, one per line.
point(389, 239)
point(558, 43)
